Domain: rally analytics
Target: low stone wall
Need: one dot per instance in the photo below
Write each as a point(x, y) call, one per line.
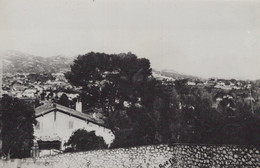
point(160, 156)
point(216, 156)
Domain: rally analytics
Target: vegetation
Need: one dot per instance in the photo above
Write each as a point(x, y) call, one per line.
point(64, 100)
point(82, 140)
point(198, 121)
point(122, 86)
point(141, 110)
point(17, 119)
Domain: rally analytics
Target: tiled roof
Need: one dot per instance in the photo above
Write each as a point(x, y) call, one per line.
point(49, 107)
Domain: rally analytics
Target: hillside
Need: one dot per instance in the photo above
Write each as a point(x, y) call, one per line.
point(15, 61)
point(173, 74)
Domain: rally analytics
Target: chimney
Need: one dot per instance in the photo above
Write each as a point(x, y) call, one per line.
point(94, 115)
point(79, 105)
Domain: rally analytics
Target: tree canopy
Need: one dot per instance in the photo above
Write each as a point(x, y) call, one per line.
point(122, 85)
point(142, 110)
point(109, 80)
point(196, 120)
point(17, 119)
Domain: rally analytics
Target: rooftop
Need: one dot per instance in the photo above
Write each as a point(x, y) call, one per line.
point(49, 107)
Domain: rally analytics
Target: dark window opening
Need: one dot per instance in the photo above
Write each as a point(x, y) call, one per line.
point(49, 145)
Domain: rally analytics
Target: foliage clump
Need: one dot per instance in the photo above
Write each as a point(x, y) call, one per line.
point(17, 120)
point(82, 140)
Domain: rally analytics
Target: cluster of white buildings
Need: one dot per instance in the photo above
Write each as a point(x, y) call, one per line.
point(19, 85)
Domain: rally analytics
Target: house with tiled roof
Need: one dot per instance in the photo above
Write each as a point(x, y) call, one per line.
point(56, 123)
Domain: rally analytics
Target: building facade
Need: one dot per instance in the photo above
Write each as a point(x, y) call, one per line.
point(56, 123)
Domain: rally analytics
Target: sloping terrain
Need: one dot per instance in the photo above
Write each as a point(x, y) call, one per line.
point(15, 61)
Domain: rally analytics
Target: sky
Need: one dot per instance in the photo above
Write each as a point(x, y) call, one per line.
point(206, 38)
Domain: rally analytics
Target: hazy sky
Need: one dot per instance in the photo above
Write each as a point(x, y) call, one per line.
point(218, 38)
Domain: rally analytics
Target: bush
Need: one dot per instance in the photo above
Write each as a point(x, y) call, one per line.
point(82, 140)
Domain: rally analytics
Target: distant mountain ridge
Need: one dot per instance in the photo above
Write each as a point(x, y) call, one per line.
point(20, 62)
point(16, 61)
point(174, 74)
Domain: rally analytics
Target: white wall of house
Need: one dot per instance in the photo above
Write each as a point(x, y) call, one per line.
point(65, 125)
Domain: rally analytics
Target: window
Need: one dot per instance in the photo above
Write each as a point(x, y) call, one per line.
point(37, 126)
point(70, 124)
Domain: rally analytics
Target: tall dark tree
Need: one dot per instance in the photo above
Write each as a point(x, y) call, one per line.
point(109, 81)
point(17, 127)
point(64, 100)
point(123, 87)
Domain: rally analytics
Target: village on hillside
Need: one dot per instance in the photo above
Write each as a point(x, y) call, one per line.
point(129, 84)
point(49, 86)
point(60, 111)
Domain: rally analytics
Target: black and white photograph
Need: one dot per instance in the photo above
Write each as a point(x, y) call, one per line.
point(129, 83)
